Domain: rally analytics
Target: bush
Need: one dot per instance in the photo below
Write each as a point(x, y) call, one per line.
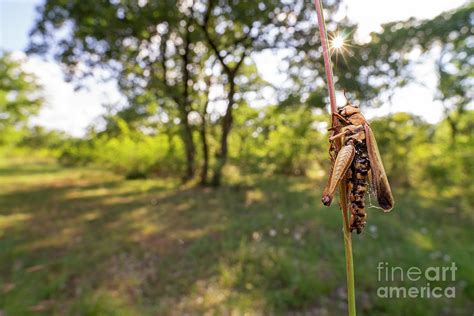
point(138, 156)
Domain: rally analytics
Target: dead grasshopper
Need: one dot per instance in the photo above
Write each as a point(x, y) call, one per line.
point(357, 160)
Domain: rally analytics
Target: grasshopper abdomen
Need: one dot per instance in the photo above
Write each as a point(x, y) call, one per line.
point(357, 185)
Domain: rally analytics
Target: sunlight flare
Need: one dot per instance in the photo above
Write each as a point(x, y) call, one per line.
point(337, 42)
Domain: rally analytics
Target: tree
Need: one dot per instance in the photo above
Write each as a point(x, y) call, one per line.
point(384, 63)
point(234, 30)
point(149, 47)
point(456, 82)
point(20, 94)
point(156, 50)
point(388, 51)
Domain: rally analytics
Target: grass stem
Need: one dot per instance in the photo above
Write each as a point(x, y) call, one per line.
point(342, 188)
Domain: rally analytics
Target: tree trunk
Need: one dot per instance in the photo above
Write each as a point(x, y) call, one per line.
point(203, 133)
point(189, 148)
point(205, 152)
point(226, 126)
point(185, 108)
point(454, 129)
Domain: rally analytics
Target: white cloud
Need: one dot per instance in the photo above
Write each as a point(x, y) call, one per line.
point(67, 109)
point(371, 14)
point(417, 97)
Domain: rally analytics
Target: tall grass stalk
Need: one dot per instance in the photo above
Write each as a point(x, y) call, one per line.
point(343, 186)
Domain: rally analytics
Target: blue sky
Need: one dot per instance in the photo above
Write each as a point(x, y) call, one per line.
point(72, 111)
point(16, 20)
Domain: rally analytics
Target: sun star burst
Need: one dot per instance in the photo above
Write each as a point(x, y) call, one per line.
point(338, 43)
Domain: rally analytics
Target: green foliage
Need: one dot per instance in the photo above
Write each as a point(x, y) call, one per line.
point(19, 92)
point(450, 166)
point(137, 155)
point(130, 153)
point(77, 152)
point(277, 140)
point(163, 52)
point(20, 98)
point(38, 137)
point(387, 56)
point(168, 55)
point(373, 70)
point(420, 155)
point(286, 140)
point(402, 140)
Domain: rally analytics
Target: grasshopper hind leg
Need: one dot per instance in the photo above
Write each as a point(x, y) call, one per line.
point(341, 165)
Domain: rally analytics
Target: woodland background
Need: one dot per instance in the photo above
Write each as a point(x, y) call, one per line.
point(195, 196)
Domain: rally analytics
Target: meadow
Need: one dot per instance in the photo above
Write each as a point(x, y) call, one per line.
point(84, 241)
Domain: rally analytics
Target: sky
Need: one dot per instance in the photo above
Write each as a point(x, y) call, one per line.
point(72, 111)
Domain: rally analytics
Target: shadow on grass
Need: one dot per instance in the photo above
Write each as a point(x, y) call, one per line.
point(29, 169)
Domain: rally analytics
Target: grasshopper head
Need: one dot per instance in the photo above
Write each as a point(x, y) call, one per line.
point(348, 110)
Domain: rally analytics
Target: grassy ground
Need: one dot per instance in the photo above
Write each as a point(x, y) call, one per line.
point(85, 242)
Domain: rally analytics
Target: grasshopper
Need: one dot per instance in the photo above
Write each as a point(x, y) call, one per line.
point(357, 161)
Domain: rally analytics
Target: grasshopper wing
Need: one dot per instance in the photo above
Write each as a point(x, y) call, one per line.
point(377, 175)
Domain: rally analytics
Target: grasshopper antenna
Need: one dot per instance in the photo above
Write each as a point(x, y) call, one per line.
point(346, 95)
point(348, 98)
